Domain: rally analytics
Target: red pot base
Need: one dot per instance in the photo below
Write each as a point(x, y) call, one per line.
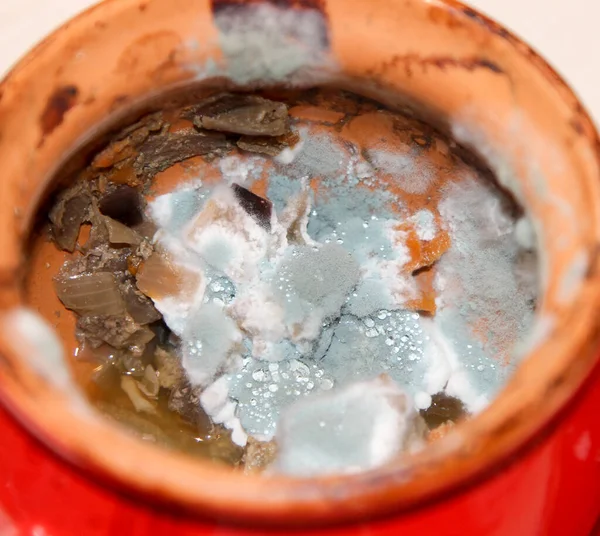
point(536, 494)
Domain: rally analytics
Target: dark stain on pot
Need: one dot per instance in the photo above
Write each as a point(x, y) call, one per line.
point(577, 126)
point(470, 64)
point(439, 62)
point(484, 21)
point(441, 15)
point(472, 14)
point(59, 103)
point(594, 265)
point(580, 122)
point(557, 384)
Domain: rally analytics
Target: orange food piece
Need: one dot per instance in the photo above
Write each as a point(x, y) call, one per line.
point(260, 187)
point(133, 264)
point(124, 175)
point(425, 302)
point(315, 114)
point(158, 277)
point(425, 252)
point(114, 153)
point(180, 125)
point(423, 255)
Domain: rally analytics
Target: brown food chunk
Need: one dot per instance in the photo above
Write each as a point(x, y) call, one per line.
point(185, 400)
point(162, 151)
point(146, 229)
point(260, 145)
point(443, 408)
point(124, 174)
point(293, 218)
point(138, 305)
point(68, 214)
point(90, 294)
point(268, 145)
point(119, 331)
point(149, 123)
point(242, 114)
point(103, 258)
point(125, 146)
point(258, 455)
point(259, 208)
point(119, 234)
point(116, 152)
point(117, 159)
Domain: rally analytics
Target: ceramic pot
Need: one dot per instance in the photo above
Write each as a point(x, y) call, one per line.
point(529, 464)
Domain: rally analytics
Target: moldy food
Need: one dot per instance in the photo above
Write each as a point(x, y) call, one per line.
point(305, 284)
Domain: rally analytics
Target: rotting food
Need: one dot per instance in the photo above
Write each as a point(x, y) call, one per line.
point(303, 284)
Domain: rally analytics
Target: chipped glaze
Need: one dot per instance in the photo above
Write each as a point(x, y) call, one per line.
point(462, 72)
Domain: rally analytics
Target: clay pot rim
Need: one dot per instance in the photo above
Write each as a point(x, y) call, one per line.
point(283, 500)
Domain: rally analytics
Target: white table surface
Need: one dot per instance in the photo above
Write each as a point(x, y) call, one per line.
point(564, 31)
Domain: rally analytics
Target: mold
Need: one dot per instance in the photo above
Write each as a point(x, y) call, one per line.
point(34, 340)
point(574, 275)
point(269, 43)
point(218, 5)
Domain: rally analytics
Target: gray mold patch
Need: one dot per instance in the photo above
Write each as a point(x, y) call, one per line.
point(38, 345)
point(541, 330)
point(574, 276)
point(348, 350)
point(352, 429)
point(209, 339)
point(478, 272)
point(34, 340)
point(319, 156)
point(316, 278)
point(265, 43)
point(466, 132)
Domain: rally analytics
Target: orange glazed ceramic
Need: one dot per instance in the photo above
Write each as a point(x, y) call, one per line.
point(527, 465)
